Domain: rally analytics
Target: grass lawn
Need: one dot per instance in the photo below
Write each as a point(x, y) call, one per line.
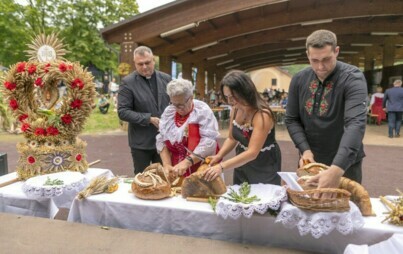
point(98, 122)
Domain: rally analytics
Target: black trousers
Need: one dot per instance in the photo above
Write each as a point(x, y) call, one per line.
point(143, 159)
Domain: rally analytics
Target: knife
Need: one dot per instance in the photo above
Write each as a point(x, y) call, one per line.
point(195, 154)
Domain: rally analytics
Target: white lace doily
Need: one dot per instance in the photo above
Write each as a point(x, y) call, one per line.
point(320, 223)
point(271, 197)
point(72, 181)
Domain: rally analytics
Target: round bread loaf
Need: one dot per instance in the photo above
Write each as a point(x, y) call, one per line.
point(152, 184)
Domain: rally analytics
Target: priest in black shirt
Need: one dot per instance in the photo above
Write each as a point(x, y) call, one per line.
point(142, 98)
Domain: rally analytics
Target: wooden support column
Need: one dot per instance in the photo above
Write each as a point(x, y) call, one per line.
point(369, 66)
point(355, 60)
point(187, 71)
point(166, 64)
point(388, 59)
point(200, 81)
point(210, 80)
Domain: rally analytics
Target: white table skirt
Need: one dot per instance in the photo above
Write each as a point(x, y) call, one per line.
point(14, 200)
point(178, 216)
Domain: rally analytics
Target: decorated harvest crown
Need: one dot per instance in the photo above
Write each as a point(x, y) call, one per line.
point(49, 121)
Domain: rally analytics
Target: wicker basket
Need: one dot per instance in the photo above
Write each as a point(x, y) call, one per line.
point(306, 200)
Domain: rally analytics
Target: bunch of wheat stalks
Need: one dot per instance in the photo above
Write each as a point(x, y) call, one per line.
point(99, 185)
point(395, 215)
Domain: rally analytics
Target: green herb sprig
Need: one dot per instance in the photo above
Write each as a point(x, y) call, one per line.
point(243, 196)
point(213, 202)
point(53, 182)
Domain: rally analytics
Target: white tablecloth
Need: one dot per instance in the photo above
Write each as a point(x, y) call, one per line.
point(178, 216)
point(14, 200)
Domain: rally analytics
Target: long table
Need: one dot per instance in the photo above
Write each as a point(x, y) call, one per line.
point(14, 200)
point(180, 217)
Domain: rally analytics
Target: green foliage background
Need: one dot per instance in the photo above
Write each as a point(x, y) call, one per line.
point(77, 21)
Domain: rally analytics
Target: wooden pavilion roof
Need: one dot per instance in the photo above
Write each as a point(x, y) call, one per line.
point(248, 35)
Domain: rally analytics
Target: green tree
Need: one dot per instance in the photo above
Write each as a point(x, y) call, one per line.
point(13, 33)
point(77, 22)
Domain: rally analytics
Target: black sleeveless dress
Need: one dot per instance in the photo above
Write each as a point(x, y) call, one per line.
point(265, 167)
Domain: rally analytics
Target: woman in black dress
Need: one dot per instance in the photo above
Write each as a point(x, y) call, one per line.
point(251, 132)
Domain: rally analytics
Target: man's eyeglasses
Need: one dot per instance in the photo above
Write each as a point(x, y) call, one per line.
point(181, 105)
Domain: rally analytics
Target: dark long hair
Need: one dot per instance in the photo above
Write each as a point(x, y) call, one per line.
point(242, 86)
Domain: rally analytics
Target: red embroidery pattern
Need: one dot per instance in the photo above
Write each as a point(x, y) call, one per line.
point(180, 120)
point(324, 104)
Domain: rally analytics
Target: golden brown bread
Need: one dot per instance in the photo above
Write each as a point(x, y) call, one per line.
point(302, 182)
point(152, 184)
point(359, 195)
point(311, 169)
point(195, 186)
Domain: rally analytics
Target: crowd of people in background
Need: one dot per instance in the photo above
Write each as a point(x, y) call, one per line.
point(107, 92)
point(387, 106)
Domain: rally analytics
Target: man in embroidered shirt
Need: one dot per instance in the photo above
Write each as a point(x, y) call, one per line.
point(326, 112)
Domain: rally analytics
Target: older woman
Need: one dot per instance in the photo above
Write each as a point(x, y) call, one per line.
point(186, 122)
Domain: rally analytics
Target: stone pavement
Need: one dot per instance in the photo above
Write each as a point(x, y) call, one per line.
point(382, 167)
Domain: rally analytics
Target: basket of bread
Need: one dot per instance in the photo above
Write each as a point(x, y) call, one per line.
point(328, 199)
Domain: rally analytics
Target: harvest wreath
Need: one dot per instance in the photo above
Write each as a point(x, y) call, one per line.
point(49, 122)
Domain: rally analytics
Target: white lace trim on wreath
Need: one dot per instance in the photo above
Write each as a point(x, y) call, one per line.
point(72, 182)
point(271, 197)
point(320, 223)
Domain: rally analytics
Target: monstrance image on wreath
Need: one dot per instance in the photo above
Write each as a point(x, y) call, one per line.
point(49, 121)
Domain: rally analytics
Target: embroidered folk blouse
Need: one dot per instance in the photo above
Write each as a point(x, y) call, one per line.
point(202, 116)
point(329, 117)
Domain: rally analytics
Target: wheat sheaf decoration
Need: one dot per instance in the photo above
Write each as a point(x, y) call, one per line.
point(31, 89)
point(49, 120)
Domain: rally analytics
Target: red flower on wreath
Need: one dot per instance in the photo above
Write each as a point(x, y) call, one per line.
point(21, 66)
point(22, 117)
point(76, 104)
point(79, 157)
point(31, 160)
point(67, 119)
point(52, 131)
point(47, 67)
point(25, 127)
point(32, 69)
point(70, 67)
point(38, 82)
point(77, 83)
point(62, 67)
point(13, 104)
point(10, 86)
point(40, 132)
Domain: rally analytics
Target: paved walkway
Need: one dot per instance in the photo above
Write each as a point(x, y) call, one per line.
point(382, 167)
